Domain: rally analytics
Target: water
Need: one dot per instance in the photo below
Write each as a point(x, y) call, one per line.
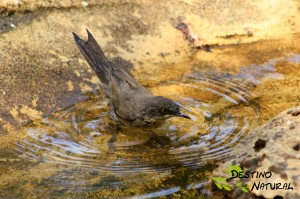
point(82, 136)
point(79, 151)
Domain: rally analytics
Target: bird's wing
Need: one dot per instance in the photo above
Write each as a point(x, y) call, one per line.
point(126, 95)
point(124, 78)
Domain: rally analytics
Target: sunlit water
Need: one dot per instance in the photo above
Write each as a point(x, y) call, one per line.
point(93, 155)
point(83, 136)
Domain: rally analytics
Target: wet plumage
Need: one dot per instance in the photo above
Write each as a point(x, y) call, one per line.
point(130, 103)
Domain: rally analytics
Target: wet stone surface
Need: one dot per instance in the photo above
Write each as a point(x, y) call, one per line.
point(279, 156)
point(232, 71)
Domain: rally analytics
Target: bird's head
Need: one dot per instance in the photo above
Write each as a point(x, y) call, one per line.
point(161, 108)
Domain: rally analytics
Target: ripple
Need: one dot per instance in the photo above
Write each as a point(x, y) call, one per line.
point(83, 136)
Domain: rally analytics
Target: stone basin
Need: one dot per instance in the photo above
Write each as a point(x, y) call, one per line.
point(176, 49)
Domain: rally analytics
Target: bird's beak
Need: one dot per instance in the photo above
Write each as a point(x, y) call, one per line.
point(180, 114)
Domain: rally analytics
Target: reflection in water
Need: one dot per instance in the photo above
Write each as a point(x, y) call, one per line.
point(101, 156)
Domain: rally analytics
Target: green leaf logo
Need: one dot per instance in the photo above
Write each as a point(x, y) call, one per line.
point(244, 189)
point(219, 179)
point(227, 187)
point(221, 183)
point(234, 168)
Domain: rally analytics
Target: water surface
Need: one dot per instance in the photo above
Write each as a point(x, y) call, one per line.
point(79, 151)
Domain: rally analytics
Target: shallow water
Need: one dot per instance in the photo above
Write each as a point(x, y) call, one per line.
point(78, 151)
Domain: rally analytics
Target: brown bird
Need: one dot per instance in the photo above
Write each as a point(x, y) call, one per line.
point(130, 103)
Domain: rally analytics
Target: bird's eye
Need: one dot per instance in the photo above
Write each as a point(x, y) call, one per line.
point(164, 110)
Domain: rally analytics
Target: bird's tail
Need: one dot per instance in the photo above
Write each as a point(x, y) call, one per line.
point(95, 57)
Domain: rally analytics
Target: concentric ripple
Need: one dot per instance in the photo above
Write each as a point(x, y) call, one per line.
point(223, 111)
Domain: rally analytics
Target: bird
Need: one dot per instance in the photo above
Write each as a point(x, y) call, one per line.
point(131, 104)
